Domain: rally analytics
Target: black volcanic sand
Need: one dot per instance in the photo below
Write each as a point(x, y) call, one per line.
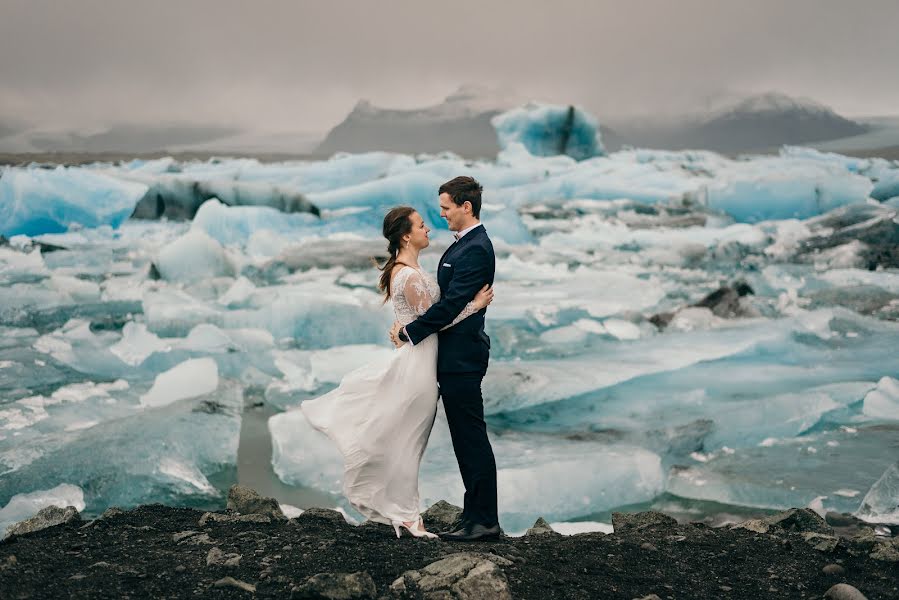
point(133, 555)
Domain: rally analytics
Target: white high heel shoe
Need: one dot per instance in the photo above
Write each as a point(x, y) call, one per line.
point(417, 529)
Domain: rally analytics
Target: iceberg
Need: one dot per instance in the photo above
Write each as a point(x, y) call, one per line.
point(193, 256)
point(549, 130)
point(178, 197)
point(883, 401)
point(341, 170)
point(881, 503)
point(36, 201)
point(775, 188)
point(415, 189)
point(234, 225)
point(887, 187)
point(190, 379)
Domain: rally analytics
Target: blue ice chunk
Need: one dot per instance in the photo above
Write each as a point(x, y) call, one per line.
point(549, 130)
point(340, 171)
point(850, 163)
point(121, 461)
point(774, 188)
point(505, 223)
point(887, 187)
point(415, 189)
point(36, 201)
point(233, 225)
point(192, 257)
point(881, 503)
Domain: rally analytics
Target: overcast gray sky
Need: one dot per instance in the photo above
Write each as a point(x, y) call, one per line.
point(301, 66)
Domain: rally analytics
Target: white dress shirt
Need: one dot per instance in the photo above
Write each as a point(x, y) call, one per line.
point(460, 234)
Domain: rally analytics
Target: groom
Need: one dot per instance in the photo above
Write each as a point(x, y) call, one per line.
point(462, 355)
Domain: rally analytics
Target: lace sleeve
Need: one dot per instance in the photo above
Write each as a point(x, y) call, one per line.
point(416, 293)
point(466, 312)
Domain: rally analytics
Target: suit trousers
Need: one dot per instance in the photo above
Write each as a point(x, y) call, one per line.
point(464, 407)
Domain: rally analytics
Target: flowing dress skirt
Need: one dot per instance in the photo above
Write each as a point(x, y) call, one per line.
point(380, 417)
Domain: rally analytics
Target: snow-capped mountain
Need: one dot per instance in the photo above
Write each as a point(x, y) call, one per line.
point(733, 124)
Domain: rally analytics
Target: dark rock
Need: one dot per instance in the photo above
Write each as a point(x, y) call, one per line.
point(887, 551)
point(337, 586)
point(649, 597)
point(247, 501)
point(836, 519)
point(441, 516)
point(8, 563)
point(233, 518)
point(821, 541)
point(541, 527)
point(322, 514)
point(183, 535)
point(800, 519)
point(725, 302)
point(661, 320)
point(153, 273)
point(49, 516)
point(462, 576)
point(864, 538)
point(833, 570)
point(843, 591)
point(215, 557)
point(648, 546)
point(380, 528)
point(112, 511)
point(235, 583)
point(624, 521)
point(197, 540)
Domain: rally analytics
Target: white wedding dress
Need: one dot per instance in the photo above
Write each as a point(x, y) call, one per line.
point(381, 417)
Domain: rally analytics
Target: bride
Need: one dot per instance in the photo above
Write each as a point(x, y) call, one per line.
point(381, 417)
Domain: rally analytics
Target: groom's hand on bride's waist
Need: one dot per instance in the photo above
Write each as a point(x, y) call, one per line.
point(394, 334)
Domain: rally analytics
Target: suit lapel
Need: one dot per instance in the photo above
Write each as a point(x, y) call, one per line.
point(454, 249)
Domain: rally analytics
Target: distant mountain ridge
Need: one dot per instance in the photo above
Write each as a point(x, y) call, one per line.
point(461, 124)
point(117, 138)
point(755, 123)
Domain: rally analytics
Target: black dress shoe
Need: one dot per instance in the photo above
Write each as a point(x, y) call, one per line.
point(473, 532)
point(458, 525)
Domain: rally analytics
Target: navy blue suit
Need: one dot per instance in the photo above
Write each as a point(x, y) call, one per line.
point(462, 356)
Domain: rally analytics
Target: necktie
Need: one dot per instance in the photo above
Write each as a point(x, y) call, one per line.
point(457, 236)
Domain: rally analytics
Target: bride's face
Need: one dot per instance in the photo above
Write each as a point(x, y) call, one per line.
point(418, 237)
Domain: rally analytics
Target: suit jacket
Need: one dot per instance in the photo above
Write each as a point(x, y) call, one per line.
point(465, 267)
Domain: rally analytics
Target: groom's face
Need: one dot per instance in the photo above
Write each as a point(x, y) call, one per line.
point(455, 215)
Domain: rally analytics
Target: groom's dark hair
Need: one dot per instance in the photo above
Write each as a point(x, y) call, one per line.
point(464, 189)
